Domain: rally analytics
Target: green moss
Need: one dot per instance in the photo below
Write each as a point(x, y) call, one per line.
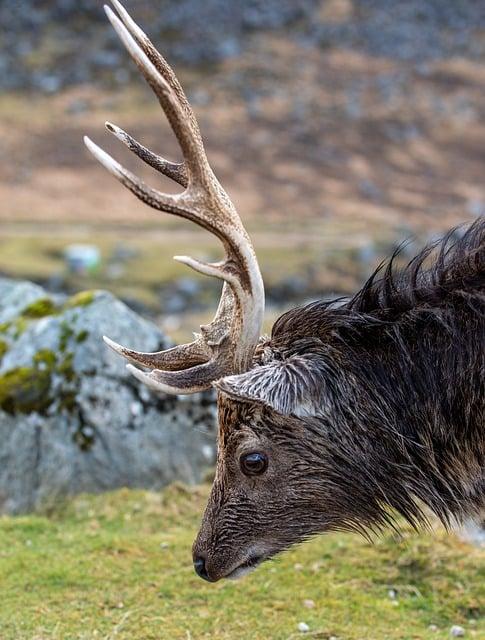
point(81, 299)
point(66, 369)
point(45, 357)
point(67, 401)
point(20, 325)
point(4, 327)
point(14, 328)
point(66, 334)
point(3, 349)
point(25, 390)
point(82, 336)
point(40, 309)
point(28, 389)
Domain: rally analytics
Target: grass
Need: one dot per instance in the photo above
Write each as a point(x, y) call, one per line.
point(118, 566)
point(40, 257)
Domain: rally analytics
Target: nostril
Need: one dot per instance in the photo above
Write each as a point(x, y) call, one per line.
point(200, 568)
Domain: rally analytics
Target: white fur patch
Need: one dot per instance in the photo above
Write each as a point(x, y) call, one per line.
point(292, 386)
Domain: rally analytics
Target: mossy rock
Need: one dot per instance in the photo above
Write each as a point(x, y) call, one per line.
point(25, 390)
point(30, 389)
point(71, 418)
point(49, 378)
point(81, 299)
point(14, 328)
point(40, 309)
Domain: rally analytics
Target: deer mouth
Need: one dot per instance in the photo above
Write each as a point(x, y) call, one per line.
point(245, 567)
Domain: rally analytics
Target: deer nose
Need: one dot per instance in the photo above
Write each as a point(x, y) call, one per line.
point(200, 568)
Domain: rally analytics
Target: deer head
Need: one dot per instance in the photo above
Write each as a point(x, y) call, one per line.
point(315, 426)
point(259, 504)
point(227, 345)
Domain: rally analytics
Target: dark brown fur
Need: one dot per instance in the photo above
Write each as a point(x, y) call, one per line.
point(364, 408)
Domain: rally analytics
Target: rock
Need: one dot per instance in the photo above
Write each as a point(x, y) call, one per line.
point(196, 33)
point(457, 631)
point(14, 297)
point(82, 258)
point(71, 418)
point(47, 82)
point(303, 627)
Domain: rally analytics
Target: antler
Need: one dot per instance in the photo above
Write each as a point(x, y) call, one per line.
point(226, 345)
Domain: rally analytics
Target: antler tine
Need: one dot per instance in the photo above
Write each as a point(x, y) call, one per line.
point(177, 171)
point(222, 220)
point(161, 201)
point(187, 136)
point(157, 59)
point(226, 345)
point(175, 205)
point(191, 380)
point(177, 358)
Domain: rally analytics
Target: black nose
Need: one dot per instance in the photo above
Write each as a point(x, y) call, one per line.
point(199, 566)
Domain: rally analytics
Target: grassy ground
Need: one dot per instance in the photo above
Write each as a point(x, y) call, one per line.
point(324, 261)
point(119, 566)
point(38, 255)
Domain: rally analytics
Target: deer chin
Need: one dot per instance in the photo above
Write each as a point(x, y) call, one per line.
point(254, 556)
point(245, 567)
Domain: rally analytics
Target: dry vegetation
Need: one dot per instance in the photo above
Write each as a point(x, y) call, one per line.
point(295, 134)
point(331, 157)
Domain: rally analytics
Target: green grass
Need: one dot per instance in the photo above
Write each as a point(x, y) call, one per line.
point(40, 257)
point(118, 566)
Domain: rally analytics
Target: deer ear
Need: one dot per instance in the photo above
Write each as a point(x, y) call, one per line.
point(292, 386)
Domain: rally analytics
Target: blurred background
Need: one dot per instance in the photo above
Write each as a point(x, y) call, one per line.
point(340, 128)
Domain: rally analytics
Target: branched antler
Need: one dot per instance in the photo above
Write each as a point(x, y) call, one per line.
point(226, 345)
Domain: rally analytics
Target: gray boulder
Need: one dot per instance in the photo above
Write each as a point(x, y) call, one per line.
point(71, 418)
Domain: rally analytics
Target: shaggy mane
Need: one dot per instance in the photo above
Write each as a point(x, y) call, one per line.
point(447, 273)
point(457, 272)
point(404, 357)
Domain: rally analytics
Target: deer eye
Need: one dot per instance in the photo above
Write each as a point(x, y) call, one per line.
point(253, 464)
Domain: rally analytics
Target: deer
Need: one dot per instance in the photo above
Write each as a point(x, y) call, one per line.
point(352, 413)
